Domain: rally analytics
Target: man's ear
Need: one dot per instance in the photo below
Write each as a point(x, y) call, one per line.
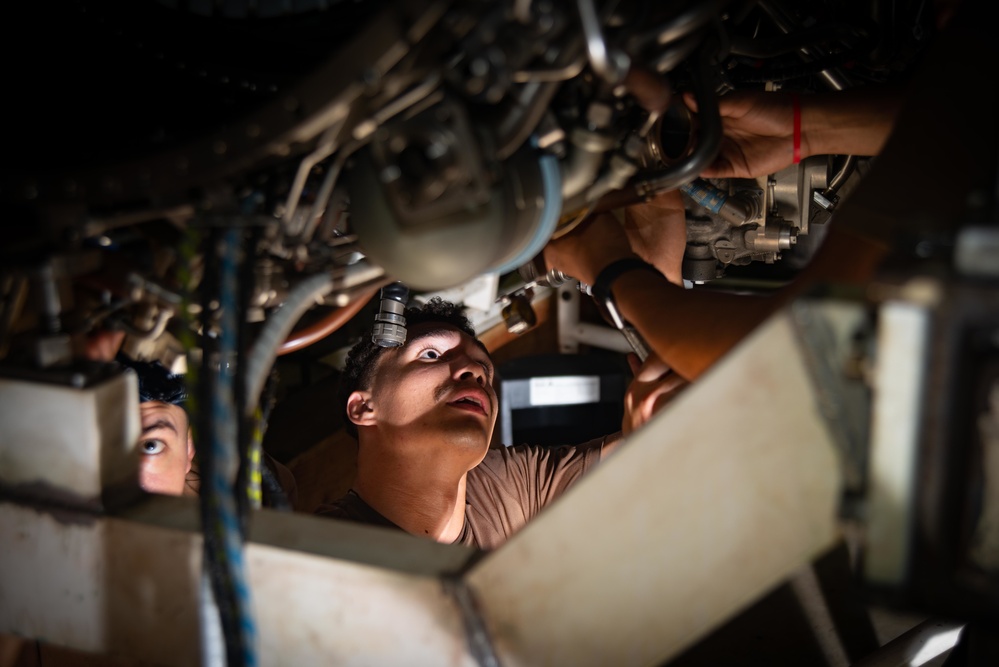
point(190, 451)
point(359, 409)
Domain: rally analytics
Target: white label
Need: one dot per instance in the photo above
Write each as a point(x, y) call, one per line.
point(565, 390)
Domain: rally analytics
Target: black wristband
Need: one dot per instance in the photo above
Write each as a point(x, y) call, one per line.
point(601, 287)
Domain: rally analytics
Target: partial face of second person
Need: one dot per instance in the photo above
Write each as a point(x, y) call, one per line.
point(166, 447)
point(433, 396)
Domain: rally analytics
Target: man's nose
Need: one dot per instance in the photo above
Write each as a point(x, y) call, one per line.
point(466, 368)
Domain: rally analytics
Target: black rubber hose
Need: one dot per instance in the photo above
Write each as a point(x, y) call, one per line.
point(709, 134)
point(274, 495)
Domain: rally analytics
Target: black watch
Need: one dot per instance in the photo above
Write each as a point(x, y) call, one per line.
point(605, 279)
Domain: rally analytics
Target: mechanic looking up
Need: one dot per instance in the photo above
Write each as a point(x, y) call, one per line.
point(424, 414)
point(166, 444)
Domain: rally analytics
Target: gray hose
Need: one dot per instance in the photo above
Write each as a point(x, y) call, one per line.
point(258, 365)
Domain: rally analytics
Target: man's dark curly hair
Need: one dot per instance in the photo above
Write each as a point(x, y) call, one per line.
point(362, 357)
point(156, 383)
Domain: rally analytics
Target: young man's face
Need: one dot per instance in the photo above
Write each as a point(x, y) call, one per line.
point(434, 393)
point(166, 448)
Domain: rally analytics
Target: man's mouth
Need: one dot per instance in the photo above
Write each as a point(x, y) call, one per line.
point(473, 400)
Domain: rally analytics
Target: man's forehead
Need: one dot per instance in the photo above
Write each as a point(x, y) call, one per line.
point(160, 410)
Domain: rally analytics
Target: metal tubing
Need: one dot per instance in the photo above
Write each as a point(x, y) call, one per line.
point(299, 340)
point(583, 164)
point(791, 42)
point(835, 79)
point(839, 178)
point(532, 104)
point(302, 297)
point(679, 26)
point(602, 59)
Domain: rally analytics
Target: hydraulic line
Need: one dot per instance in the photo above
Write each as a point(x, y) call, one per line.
point(313, 333)
point(219, 460)
point(258, 364)
point(301, 297)
point(708, 136)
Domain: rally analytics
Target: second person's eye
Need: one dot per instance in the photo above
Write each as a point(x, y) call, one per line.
point(152, 446)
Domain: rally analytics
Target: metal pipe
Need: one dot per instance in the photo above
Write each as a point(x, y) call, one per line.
point(785, 22)
point(600, 336)
point(532, 104)
point(583, 163)
point(318, 209)
point(300, 298)
point(839, 178)
point(791, 42)
point(677, 52)
point(678, 27)
point(611, 66)
point(314, 333)
point(518, 124)
point(552, 74)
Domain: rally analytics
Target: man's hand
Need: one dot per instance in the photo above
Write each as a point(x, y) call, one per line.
point(758, 135)
point(654, 386)
point(758, 128)
point(585, 251)
point(657, 230)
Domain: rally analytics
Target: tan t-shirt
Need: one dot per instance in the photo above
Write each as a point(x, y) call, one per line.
point(509, 488)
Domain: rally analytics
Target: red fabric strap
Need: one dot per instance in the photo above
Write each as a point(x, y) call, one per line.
point(797, 127)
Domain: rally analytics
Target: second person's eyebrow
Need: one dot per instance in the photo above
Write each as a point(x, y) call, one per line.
point(158, 424)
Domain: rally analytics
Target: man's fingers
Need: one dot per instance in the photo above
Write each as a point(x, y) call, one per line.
point(652, 370)
point(634, 364)
point(688, 99)
point(721, 168)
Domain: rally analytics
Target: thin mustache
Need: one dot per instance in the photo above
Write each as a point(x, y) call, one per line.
point(450, 387)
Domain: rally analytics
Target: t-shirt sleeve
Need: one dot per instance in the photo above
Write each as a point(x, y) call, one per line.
point(513, 484)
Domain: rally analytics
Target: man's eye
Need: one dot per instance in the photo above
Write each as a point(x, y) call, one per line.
point(430, 354)
point(152, 446)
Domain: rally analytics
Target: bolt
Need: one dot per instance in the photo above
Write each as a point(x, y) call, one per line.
point(479, 67)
